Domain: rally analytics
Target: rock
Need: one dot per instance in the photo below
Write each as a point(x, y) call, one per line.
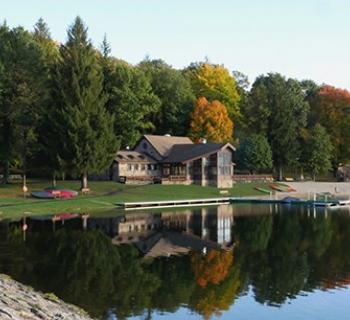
point(20, 302)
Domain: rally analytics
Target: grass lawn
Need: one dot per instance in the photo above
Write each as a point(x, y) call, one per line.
point(105, 195)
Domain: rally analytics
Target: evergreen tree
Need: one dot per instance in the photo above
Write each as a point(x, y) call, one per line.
point(80, 120)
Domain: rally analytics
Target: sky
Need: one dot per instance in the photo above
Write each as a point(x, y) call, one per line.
point(303, 39)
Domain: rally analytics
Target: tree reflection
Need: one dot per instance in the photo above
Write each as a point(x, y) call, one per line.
point(276, 256)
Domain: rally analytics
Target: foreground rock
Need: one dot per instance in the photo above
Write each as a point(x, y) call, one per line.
point(19, 302)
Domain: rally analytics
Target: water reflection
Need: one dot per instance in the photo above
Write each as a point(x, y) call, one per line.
point(204, 259)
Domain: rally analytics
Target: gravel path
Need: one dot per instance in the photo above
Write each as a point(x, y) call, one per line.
point(338, 188)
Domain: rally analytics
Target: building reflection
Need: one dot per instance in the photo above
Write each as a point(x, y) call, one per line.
point(155, 234)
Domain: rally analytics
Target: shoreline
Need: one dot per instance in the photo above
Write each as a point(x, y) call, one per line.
point(18, 301)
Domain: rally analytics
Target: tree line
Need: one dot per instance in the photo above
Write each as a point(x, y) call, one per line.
point(67, 108)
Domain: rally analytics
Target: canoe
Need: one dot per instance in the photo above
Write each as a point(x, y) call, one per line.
point(42, 195)
point(62, 193)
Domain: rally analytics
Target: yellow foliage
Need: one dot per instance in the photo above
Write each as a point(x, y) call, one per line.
point(216, 83)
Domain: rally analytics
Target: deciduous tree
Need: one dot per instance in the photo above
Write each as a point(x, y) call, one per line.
point(175, 94)
point(318, 151)
point(21, 90)
point(215, 82)
point(210, 120)
point(330, 107)
point(254, 153)
point(277, 109)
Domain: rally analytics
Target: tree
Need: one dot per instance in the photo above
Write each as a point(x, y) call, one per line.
point(80, 120)
point(47, 145)
point(175, 94)
point(21, 89)
point(130, 98)
point(330, 107)
point(210, 120)
point(318, 151)
point(212, 267)
point(277, 109)
point(254, 153)
point(215, 82)
point(132, 103)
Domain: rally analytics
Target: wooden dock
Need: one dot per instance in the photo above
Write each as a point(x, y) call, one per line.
point(173, 203)
point(332, 203)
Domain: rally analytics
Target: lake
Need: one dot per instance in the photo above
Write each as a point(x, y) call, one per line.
point(228, 262)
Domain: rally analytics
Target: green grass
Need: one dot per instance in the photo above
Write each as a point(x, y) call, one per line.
point(105, 195)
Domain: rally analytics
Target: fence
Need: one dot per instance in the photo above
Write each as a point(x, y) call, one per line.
point(252, 178)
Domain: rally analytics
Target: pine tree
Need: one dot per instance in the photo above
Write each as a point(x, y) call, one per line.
point(80, 120)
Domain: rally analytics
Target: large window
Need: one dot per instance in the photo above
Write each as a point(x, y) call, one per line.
point(225, 162)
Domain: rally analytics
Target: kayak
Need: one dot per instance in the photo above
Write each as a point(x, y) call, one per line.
point(263, 190)
point(281, 188)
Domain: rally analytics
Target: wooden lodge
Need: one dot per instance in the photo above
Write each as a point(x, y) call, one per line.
point(175, 160)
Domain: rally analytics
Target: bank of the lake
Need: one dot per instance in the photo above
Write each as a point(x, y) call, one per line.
point(105, 195)
point(18, 301)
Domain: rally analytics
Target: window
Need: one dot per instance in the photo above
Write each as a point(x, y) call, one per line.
point(149, 167)
point(130, 167)
point(143, 167)
point(145, 146)
point(136, 166)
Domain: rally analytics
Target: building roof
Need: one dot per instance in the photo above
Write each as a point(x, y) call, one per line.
point(163, 144)
point(133, 156)
point(184, 152)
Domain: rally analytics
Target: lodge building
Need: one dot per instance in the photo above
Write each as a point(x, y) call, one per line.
point(175, 160)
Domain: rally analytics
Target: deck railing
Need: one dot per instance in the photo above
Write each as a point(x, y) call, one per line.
point(252, 177)
point(175, 178)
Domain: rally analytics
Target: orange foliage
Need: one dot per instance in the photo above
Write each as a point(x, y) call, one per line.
point(211, 268)
point(331, 107)
point(210, 120)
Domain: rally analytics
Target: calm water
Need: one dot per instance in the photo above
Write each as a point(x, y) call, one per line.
point(227, 262)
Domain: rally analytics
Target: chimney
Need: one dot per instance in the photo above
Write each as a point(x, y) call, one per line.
point(167, 135)
point(202, 140)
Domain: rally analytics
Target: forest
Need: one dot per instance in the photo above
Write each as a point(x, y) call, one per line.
point(67, 108)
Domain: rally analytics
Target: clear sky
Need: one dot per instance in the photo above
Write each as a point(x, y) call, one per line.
point(298, 38)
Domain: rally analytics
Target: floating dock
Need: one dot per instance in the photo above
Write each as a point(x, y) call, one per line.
point(173, 203)
point(332, 203)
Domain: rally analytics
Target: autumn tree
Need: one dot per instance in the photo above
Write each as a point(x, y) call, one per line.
point(214, 82)
point(210, 120)
point(330, 107)
point(212, 267)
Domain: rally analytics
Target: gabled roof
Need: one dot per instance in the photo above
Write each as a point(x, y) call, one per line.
point(133, 156)
point(184, 152)
point(163, 144)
